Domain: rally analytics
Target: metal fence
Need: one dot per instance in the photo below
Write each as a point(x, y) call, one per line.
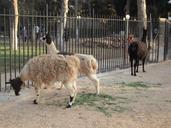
point(105, 38)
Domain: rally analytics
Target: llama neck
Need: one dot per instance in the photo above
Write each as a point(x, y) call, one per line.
point(51, 49)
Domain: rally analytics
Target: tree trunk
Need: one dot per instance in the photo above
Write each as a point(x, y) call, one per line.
point(127, 7)
point(65, 6)
point(142, 16)
point(64, 12)
point(14, 39)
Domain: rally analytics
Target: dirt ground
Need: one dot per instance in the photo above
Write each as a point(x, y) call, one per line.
point(123, 103)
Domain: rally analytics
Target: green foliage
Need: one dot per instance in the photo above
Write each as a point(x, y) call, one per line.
point(120, 7)
point(101, 7)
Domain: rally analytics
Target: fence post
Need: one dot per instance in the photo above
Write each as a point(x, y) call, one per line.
point(0, 82)
point(92, 33)
point(151, 41)
point(47, 17)
point(127, 17)
point(165, 40)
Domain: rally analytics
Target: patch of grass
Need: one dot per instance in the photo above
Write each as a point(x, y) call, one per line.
point(136, 84)
point(103, 110)
point(103, 103)
point(10, 59)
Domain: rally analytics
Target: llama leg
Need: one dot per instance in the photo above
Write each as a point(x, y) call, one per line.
point(75, 88)
point(135, 65)
point(143, 62)
point(61, 85)
point(94, 78)
point(37, 91)
point(131, 60)
point(71, 88)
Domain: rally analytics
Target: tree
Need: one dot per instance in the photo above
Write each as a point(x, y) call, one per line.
point(64, 12)
point(142, 16)
point(127, 8)
point(103, 7)
point(14, 26)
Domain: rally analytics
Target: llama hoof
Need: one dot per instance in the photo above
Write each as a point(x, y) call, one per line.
point(35, 102)
point(68, 106)
point(144, 71)
point(17, 93)
point(135, 75)
point(59, 88)
point(132, 74)
point(97, 94)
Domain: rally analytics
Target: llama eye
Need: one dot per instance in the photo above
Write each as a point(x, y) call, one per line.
point(44, 38)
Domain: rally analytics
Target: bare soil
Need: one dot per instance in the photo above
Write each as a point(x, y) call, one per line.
point(126, 101)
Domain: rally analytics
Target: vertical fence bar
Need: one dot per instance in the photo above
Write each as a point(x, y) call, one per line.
point(110, 46)
point(32, 33)
point(14, 50)
point(27, 41)
point(5, 49)
point(151, 37)
point(19, 47)
point(47, 17)
point(103, 49)
point(36, 32)
point(69, 34)
point(78, 32)
point(106, 45)
point(72, 33)
point(40, 29)
point(0, 82)
point(112, 41)
point(88, 43)
point(96, 35)
point(118, 26)
point(44, 28)
point(121, 43)
point(82, 35)
point(100, 35)
point(23, 43)
point(165, 40)
point(158, 49)
point(10, 46)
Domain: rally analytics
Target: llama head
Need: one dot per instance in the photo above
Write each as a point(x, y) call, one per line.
point(46, 39)
point(130, 38)
point(16, 85)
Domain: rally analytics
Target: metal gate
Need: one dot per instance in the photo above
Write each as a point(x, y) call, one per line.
point(105, 38)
